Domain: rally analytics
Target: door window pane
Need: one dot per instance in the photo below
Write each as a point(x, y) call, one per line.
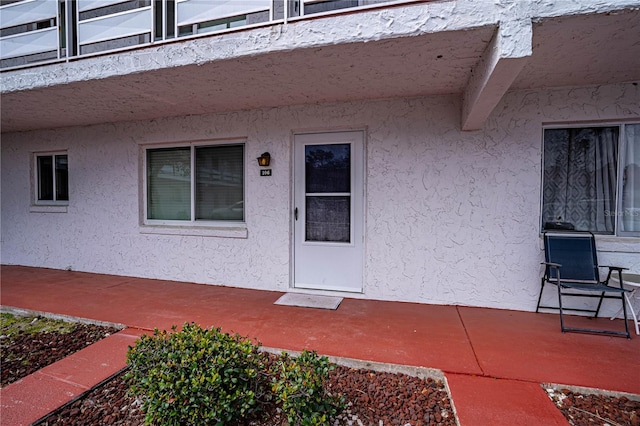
point(328, 168)
point(580, 177)
point(328, 219)
point(220, 182)
point(169, 183)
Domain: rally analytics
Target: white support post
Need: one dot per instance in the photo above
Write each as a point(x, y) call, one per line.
point(68, 22)
point(497, 69)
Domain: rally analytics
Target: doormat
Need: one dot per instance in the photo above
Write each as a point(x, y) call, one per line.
point(309, 301)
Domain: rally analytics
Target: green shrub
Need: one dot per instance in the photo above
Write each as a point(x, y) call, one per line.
point(298, 387)
point(203, 376)
point(196, 376)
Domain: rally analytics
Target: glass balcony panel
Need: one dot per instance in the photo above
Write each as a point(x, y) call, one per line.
point(314, 6)
point(115, 26)
point(84, 5)
point(28, 27)
point(120, 43)
point(21, 13)
point(29, 43)
point(104, 9)
point(197, 11)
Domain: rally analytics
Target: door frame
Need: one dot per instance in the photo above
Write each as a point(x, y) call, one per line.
point(363, 197)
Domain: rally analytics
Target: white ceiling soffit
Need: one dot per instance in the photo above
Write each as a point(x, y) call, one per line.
point(584, 50)
point(420, 65)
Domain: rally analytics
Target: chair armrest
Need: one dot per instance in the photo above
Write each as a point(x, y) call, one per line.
point(556, 268)
point(620, 279)
point(614, 268)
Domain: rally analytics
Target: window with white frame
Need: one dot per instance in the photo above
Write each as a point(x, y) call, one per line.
point(193, 183)
point(51, 178)
point(591, 179)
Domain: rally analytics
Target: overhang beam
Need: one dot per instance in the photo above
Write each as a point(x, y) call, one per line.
point(500, 64)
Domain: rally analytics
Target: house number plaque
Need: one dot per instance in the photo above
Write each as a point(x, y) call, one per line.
point(266, 172)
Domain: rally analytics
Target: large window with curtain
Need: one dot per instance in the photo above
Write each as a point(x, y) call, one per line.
point(591, 179)
point(192, 183)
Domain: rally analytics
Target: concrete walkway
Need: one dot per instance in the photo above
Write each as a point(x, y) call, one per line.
point(494, 360)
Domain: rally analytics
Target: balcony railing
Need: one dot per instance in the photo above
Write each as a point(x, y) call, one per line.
point(41, 31)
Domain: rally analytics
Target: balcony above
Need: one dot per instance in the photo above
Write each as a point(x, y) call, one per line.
point(120, 62)
point(46, 31)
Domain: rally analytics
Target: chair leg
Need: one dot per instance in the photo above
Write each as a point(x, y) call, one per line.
point(540, 296)
point(599, 305)
point(560, 307)
point(624, 310)
point(624, 305)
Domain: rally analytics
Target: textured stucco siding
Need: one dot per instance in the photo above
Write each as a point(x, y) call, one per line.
point(451, 217)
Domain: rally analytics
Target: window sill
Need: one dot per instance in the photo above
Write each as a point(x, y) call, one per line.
point(239, 231)
point(612, 244)
point(609, 243)
point(48, 208)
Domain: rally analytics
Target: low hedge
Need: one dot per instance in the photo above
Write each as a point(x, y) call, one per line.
point(199, 376)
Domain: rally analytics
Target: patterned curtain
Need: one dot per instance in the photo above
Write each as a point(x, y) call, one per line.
point(630, 214)
point(580, 168)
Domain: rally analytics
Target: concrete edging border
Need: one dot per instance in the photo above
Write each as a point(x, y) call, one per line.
point(590, 391)
point(67, 318)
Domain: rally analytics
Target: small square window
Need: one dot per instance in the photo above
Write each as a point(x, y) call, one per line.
point(52, 178)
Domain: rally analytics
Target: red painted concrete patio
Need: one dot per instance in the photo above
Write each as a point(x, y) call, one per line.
point(494, 360)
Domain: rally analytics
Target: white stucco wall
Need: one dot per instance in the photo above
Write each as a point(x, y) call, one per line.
point(451, 217)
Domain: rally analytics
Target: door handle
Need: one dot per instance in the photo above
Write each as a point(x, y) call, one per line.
point(295, 213)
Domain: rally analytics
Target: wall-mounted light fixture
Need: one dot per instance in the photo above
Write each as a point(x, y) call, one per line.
point(264, 159)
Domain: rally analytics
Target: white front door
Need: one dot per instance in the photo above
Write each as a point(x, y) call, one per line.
point(329, 211)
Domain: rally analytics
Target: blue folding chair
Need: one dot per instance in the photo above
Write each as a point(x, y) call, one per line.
point(571, 264)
